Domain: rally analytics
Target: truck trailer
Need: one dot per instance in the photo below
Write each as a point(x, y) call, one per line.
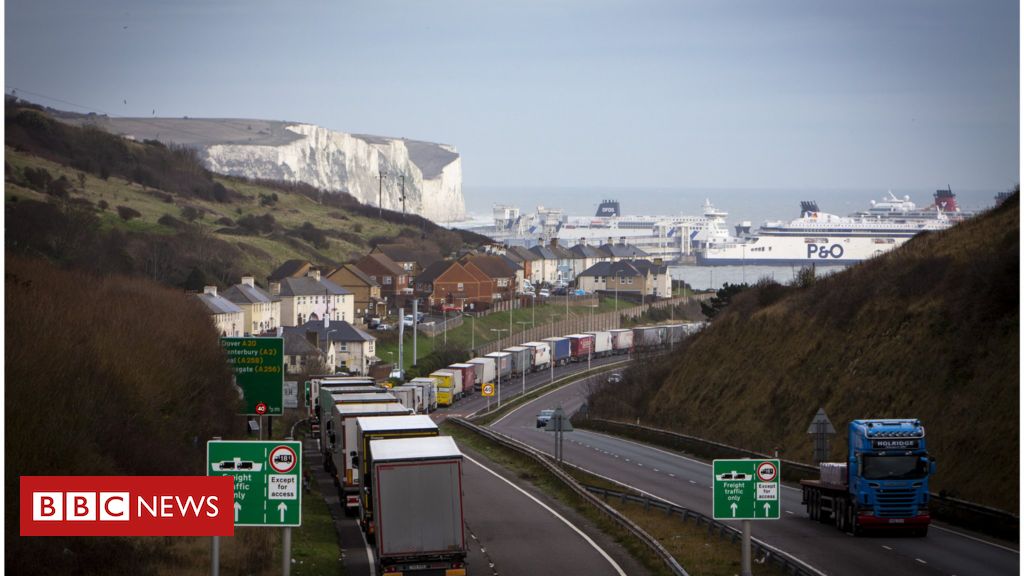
point(429, 387)
point(342, 446)
point(377, 428)
point(521, 359)
point(602, 343)
point(622, 340)
point(581, 347)
point(489, 371)
point(468, 372)
point(541, 354)
point(335, 396)
point(417, 506)
point(883, 485)
point(560, 351)
point(502, 364)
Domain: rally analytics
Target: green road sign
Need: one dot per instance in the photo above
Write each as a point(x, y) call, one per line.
point(259, 371)
point(746, 489)
point(268, 479)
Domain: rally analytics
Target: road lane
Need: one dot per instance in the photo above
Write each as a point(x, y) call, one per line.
point(687, 482)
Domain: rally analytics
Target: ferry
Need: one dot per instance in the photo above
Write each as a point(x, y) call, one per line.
point(821, 238)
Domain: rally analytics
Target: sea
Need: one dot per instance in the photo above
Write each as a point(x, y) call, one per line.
point(714, 277)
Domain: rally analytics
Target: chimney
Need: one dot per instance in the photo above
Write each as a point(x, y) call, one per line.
point(249, 281)
point(211, 290)
point(275, 288)
point(314, 274)
point(554, 241)
point(609, 240)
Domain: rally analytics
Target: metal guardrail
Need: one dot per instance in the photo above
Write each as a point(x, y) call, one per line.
point(572, 484)
point(985, 519)
point(766, 554)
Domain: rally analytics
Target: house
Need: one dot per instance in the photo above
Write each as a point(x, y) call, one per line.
point(262, 312)
point(658, 282)
point(548, 265)
point(384, 271)
point(531, 263)
point(497, 276)
point(616, 252)
point(345, 347)
point(290, 269)
point(411, 260)
point(584, 257)
point(301, 356)
point(312, 298)
point(365, 291)
point(227, 317)
point(447, 283)
point(564, 265)
point(619, 276)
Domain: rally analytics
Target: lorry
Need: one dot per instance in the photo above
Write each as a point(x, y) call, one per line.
point(488, 368)
point(502, 364)
point(376, 428)
point(314, 405)
point(333, 396)
point(541, 354)
point(314, 385)
point(559, 349)
point(468, 376)
point(447, 393)
point(622, 340)
point(602, 343)
point(429, 387)
point(417, 506)
point(581, 347)
point(521, 359)
point(649, 337)
point(342, 446)
point(883, 485)
point(410, 396)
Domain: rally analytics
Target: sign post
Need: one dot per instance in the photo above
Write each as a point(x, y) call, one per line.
point(268, 479)
point(258, 364)
point(746, 490)
point(487, 390)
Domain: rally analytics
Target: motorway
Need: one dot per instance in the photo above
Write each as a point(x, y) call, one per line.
point(687, 482)
point(511, 528)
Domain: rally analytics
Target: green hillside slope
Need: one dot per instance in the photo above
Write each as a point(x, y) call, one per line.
point(930, 330)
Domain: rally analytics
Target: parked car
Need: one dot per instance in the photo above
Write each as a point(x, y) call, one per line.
point(544, 293)
point(408, 321)
point(450, 308)
point(383, 326)
point(615, 378)
point(544, 417)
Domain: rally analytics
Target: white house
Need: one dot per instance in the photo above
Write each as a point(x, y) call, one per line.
point(227, 317)
point(312, 298)
point(262, 312)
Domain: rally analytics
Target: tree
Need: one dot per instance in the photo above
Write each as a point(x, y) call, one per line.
point(721, 299)
point(127, 213)
point(196, 280)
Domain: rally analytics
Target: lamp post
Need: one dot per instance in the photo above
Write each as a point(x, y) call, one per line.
point(472, 331)
point(498, 364)
point(524, 367)
point(592, 306)
point(551, 348)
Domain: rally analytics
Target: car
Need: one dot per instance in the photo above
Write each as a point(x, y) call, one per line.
point(408, 321)
point(383, 326)
point(615, 378)
point(544, 417)
point(734, 475)
point(544, 293)
point(450, 308)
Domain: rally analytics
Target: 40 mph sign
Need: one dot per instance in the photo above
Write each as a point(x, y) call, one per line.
point(268, 479)
point(746, 489)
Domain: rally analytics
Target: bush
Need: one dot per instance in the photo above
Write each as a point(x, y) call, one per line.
point(126, 213)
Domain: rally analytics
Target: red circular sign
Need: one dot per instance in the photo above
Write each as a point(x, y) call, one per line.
point(767, 472)
point(282, 459)
point(261, 408)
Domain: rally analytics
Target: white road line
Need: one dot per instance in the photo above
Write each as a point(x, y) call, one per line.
point(553, 513)
point(993, 544)
point(369, 552)
point(789, 512)
point(671, 475)
point(886, 547)
point(656, 470)
point(921, 561)
point(692, 481)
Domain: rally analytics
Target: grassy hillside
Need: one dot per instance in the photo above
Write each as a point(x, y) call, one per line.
point(92, 200)
point(930, 330)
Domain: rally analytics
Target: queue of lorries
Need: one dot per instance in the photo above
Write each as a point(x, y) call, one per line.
point(384, 453)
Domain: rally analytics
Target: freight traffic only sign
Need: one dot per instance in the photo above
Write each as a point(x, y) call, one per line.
point(746, 489)
point(258, 364)
point(268, 479)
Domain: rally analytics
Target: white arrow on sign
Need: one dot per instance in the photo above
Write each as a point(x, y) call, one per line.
point(767, 507)
point(282, 507)
point(238, 506)
point(733, 506)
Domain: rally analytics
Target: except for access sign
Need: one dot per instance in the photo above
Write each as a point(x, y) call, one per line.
point(258, 364)
point(268, 477)
point(746, 489)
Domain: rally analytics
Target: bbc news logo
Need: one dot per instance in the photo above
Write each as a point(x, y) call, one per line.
point(127, 506)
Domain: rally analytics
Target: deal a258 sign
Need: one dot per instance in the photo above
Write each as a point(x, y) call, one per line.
point(258, 364)
point(746, 489)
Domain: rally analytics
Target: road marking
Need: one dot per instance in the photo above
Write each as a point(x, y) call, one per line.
point(921, 561)
point(886, 547)
point(656, 470)
point(604, 554)
point(627, 459)
point(692, 481)
point(671, 475)
point(935, 527)
point(366, 544)
point(789, 512)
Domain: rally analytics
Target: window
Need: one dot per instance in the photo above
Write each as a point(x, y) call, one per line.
point(502, 282)
point(387, 280)
point(343, 347)
point(459, 287)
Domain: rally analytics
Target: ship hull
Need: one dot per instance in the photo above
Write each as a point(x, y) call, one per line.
point(798, 251)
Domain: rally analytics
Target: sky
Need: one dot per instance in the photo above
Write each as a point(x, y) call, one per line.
point(787, 94)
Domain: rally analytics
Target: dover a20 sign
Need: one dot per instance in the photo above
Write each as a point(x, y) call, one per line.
point(258, 364)
point(268, 479)
point(746, 489)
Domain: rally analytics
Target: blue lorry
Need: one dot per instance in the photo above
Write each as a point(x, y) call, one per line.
point(883, 485)
point(561, 350)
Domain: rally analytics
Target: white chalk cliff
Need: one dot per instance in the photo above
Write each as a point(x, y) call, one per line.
point(337, 161)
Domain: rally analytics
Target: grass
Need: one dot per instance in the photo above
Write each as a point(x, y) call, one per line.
point(698, 552)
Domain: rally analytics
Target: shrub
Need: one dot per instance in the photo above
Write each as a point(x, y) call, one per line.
point(126, 213)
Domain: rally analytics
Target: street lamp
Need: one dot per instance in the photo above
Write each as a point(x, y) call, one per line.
point(551, 348)
point(524, 364)
point(592, 306)
point(472, 331)
point(524, 323)
point(498, 364)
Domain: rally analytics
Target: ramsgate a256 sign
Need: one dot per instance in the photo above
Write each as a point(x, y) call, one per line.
point(259, 371)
